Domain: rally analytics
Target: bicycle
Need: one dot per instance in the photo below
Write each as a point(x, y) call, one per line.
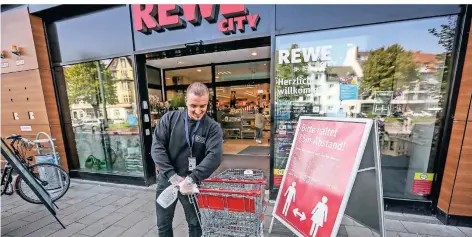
point(56, 185)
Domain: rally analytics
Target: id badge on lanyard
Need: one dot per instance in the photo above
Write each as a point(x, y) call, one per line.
point(192, 161)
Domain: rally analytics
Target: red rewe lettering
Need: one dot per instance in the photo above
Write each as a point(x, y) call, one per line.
point(253, 21)
point(193, 13)
point(233, 10)
point(144, 18)
point(240, 22)
point(226, 26)
point(147, 17)
point(169, 16)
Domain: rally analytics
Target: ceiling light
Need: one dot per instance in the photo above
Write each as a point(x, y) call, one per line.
point(199, 70)
point(254, 53)
point(180, 62)
point(217, 77)
point(168, 78)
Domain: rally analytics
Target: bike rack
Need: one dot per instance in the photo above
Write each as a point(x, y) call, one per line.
point(49, 140)
point(51, 147)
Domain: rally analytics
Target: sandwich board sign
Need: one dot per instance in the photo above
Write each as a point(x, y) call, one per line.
point(333, 170)
point(31, 181)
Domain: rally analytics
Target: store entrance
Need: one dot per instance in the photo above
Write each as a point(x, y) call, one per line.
point(239, 83)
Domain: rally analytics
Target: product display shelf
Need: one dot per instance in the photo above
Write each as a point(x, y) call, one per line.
point(231, 123)
point(248, 121)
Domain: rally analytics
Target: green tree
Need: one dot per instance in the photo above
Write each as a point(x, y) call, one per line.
point(290, 71)
point(388, 69)
point(83, 85)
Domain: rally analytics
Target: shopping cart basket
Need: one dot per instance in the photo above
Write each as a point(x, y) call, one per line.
point(232, 203)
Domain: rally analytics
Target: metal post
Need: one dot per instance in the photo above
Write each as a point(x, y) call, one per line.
point(103, 134)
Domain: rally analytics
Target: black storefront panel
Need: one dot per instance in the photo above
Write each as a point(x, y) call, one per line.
point(300, 18)
point(184, 32)
point(96, 35)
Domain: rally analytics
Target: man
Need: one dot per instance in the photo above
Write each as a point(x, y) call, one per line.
point(187, 148)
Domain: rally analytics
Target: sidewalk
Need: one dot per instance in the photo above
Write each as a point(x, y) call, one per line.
point(107, 210)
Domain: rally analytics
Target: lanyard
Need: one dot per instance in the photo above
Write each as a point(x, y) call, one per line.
point(190, 145)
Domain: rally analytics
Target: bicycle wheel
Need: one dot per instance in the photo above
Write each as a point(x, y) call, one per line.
point(53, 178)
point(7, 187)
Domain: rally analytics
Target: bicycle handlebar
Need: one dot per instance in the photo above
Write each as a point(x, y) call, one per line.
point(19, 138)
point(14, 137)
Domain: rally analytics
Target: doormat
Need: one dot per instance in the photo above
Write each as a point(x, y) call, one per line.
point(256, 150)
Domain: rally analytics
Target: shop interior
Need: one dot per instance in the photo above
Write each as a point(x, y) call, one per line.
point(239, 84)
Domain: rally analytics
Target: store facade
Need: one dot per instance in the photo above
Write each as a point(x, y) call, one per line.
point(399, 64)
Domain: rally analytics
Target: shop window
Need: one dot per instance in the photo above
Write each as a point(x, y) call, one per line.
point(107, 137)
point(392, 71)
point(243, 71)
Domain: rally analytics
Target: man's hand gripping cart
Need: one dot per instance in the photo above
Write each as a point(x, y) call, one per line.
point(232, 203)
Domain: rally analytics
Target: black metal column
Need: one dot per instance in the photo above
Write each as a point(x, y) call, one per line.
point(142, 105)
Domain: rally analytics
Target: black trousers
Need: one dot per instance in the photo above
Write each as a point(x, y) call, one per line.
point(165, 216)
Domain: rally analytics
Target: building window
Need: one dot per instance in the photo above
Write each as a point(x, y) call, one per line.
point(376, 68)
point(123, 63)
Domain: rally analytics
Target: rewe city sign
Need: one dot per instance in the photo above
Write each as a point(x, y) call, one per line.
point(158, 17)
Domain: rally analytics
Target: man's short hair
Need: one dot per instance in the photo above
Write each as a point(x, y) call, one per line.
point(198, 89)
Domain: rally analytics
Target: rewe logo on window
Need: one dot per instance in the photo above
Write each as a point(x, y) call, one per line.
point(158, 17)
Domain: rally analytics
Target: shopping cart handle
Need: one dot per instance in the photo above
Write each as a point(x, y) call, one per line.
point(235, 181)
point(230, 192)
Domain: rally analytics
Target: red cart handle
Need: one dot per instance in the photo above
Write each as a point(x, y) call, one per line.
point(217, 180)
point(231, 192)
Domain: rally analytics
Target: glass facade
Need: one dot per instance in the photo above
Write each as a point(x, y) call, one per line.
point(102, 102)
point(394, 73)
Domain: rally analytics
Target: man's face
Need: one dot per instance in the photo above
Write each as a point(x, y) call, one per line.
point(197, 106)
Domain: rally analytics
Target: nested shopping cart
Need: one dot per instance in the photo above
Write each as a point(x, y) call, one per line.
point(232, 203)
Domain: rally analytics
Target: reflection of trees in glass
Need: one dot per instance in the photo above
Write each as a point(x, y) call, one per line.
point(446, 36)
point(446, 33)
point(83, 85)
point(388, 69)
point(290, 71)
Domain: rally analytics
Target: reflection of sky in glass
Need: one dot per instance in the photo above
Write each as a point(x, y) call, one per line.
point(412, 35)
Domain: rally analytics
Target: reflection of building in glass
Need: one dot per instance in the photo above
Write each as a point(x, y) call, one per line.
point(420, 97)
point(325, 86)
point(121, 70)
point(122, 73)
point(394, 142)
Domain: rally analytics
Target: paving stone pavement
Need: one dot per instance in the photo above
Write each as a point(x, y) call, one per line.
point(95, 209)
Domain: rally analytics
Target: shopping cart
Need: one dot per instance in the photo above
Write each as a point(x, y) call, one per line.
point(232, 204)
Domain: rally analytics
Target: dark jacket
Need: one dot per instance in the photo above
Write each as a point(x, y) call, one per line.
point(170, 150)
